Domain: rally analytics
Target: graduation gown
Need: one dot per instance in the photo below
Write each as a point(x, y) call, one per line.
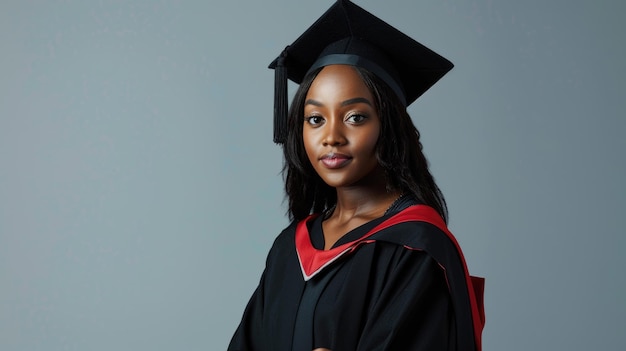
point(396, 283)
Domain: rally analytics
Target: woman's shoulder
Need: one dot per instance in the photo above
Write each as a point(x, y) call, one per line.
point(413, 234)
point(285, 239)
point(288, 233)
point(416, 226)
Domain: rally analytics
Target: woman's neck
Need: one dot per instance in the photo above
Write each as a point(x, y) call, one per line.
point(355, 206)
point(362, 203)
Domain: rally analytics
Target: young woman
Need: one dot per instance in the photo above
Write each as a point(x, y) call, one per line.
point(367, 263)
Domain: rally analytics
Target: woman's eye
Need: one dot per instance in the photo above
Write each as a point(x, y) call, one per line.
point(314, 120)
point(356, 119)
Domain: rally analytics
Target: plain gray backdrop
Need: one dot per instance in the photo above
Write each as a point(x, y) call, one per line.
point(140, 189)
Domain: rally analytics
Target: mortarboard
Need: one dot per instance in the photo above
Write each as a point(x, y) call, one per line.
point(347, 34)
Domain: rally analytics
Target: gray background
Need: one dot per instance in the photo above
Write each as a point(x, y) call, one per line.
point(140, 189)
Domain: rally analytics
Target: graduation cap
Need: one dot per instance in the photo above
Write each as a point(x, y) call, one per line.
point(347, 34)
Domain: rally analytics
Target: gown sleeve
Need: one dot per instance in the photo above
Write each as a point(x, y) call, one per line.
point(265, 314)
point(413, 309)
point(248, 335)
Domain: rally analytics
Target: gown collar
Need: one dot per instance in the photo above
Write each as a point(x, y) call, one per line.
point(313, 260)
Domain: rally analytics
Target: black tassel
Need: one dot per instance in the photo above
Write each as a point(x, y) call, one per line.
point(280, 100)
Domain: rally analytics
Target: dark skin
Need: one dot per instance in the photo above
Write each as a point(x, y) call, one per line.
point(340, 133)
point(356, 206)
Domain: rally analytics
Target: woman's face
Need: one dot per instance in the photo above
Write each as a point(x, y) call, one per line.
point(341, 127)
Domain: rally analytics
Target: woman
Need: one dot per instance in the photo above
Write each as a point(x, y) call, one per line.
point(367, 263)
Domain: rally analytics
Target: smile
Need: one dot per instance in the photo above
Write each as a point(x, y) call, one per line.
point(334, 160)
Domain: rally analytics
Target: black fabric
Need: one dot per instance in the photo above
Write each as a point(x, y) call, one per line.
point(304, 328)
point(382, 296)
point(419, 234)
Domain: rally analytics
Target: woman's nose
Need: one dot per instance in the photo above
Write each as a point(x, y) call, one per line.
point(334, 134)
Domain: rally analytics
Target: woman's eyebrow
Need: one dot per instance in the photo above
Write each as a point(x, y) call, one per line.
point(356, 101)
point(313, 102)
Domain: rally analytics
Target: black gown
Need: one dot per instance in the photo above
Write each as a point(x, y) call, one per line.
point(386, 285)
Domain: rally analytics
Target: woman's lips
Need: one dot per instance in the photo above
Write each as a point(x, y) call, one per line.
point(333, 160)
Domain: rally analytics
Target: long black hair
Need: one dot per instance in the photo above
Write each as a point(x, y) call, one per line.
point(399, 153)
